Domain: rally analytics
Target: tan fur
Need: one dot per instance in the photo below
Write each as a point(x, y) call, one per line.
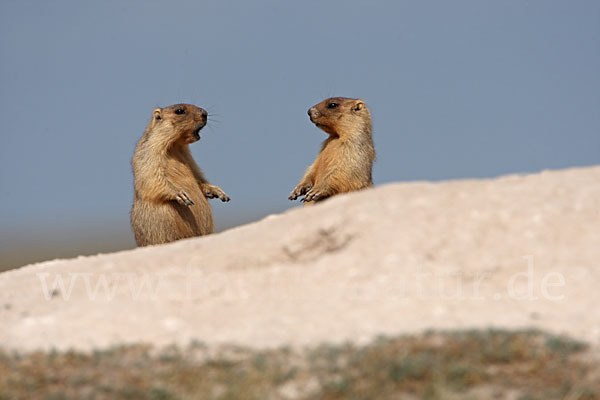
point(346, 159)
point(170, 199)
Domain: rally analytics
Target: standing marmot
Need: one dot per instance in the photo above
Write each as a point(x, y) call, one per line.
point(346, 158)
point(170, 200)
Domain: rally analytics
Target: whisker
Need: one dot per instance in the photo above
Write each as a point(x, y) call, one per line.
point(210, 109)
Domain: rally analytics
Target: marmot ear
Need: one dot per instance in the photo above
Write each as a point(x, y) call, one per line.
point(157, 114)
point(359, 106)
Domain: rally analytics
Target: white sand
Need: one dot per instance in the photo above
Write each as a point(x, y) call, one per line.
point(518, 251)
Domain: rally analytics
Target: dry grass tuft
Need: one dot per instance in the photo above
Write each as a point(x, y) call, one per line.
point(491, 364)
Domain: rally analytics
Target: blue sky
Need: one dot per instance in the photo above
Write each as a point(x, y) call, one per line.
point(457, 89)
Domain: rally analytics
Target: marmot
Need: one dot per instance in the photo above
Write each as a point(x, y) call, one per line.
point(345, 161)
point(170, 200)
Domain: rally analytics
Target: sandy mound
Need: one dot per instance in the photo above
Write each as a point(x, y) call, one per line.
point(518, 251)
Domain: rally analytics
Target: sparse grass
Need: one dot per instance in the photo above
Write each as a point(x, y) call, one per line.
point(436, 365)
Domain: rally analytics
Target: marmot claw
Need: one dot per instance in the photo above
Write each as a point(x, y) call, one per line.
point(183, 199)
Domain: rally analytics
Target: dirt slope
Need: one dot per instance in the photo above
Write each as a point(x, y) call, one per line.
point(518, 251)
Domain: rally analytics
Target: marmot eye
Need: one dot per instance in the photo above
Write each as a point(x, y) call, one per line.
point(180, 111)
point(332, 105)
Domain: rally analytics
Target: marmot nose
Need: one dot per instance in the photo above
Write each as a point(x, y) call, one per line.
point(204, 115)
point(312, 112)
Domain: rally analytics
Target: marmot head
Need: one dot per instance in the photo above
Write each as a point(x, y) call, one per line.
point(186, 120)
point(340, 115)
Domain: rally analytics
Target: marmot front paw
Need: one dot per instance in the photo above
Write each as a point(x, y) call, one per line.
point(315, 194)
point(183, 199)
point(214, 192)
point(299, 190)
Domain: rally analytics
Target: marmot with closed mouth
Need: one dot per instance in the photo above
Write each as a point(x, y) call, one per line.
point(345, 161)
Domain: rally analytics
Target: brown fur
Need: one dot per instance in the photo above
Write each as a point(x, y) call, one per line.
point(170, 200)
point(346, 158)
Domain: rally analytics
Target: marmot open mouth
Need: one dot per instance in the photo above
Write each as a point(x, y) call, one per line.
point(196, 133)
